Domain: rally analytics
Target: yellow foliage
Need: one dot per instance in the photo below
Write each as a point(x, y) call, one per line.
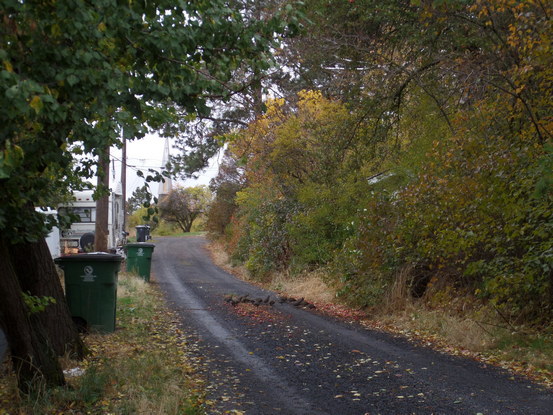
point(7, 65)
point(289, 143)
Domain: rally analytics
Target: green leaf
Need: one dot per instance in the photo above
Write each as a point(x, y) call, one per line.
point(72, 80)
point(10, 159)
point(12, 92)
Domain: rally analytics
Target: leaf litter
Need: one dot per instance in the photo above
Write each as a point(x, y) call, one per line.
point(148, 365)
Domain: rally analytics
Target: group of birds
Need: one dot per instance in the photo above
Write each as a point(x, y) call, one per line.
point(234, 300)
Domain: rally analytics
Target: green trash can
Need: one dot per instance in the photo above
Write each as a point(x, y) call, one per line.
point(91, 288)
point(139, 258)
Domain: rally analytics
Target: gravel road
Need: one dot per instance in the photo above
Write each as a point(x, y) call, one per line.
point(284, 360)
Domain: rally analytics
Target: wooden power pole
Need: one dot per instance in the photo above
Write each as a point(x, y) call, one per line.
point(102, 204)
point(124, 181)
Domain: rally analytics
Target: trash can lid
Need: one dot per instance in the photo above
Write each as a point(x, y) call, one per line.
point(140, 245)
point(91, 256)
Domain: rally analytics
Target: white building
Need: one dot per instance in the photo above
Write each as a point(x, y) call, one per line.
point(166, 186)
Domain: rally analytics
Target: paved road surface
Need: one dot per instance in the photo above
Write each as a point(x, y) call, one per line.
point(284, 360)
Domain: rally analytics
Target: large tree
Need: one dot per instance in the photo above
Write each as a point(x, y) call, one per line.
point(73, 75)
point(245, 104)
point(184, 204)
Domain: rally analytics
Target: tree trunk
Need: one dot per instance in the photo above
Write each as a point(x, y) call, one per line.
point(37, 275)
point(185, 224)
point(34, 361)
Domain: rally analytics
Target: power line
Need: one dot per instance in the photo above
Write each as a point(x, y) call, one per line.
point(134, 167)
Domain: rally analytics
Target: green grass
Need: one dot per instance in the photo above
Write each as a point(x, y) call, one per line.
point(533, 348)
point(145, 366)
point(189, 234)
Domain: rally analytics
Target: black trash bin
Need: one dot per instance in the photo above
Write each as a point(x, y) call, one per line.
point(91, 288)
point(142, 233)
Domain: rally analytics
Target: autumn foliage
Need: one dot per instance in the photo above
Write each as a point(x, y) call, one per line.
point(433, 170)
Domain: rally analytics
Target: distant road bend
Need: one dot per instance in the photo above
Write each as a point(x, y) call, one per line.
point(283, 360)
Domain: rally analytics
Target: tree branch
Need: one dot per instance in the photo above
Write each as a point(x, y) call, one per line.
point(230, 120)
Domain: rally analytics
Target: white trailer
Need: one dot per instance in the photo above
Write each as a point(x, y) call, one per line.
point(53, 238)
point(80, 236)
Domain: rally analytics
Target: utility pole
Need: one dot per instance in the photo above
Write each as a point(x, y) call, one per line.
point(124, 181)
point(102, 204)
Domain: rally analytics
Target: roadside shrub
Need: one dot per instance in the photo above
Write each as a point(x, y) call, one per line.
point(264, 239)
point(365, 266)
point(165, 228)
point(472, 216)
point(321, 223)
point(137, 218)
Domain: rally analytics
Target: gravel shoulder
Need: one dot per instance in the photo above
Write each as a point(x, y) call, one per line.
point(282, 359)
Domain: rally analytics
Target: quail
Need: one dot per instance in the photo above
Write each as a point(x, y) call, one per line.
point(297, 302)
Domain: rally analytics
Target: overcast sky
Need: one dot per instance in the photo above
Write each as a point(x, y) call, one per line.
point(148, 153)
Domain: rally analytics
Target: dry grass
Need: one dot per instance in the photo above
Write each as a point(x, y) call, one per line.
point(459, 331)
point(398, 297)
point(135, 288)
point(221, 259)
point(309, 285)
point(441, 315)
